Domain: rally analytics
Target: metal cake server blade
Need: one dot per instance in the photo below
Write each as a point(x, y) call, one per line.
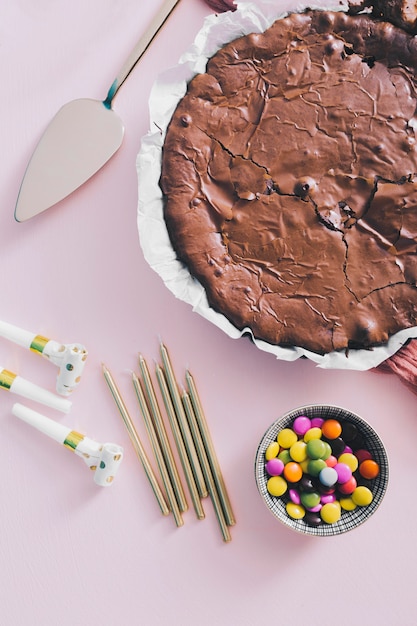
point(80, 139)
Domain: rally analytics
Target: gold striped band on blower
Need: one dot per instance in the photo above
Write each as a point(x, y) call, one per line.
point(38, 343)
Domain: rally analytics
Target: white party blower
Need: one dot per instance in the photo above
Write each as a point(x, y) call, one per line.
point(22, 387)
point(104, 459)
point(70, 358)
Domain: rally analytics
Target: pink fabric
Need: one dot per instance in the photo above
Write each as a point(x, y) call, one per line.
point(403, 364)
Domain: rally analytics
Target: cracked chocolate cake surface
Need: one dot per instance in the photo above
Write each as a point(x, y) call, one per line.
point(289, 179)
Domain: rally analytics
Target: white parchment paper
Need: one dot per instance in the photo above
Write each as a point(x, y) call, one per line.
point(169, 88)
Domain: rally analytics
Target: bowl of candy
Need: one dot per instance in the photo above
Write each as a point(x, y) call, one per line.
point(321, 470)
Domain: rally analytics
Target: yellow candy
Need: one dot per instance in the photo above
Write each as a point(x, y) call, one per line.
point(347, 504)
point(276, 486)
point(296, 511)
point(298, 451)
point(350, 460)
point(272, 451)
point(331, 512)
point(312, 433)
point(362, 496)
point(286, 438)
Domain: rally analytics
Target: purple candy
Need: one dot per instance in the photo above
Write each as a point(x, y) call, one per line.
point(317, 422)
point(294, 496)
point(274, 467)
point(344, 473)
point(328, 497)
point(301, 425)
point(312, 519)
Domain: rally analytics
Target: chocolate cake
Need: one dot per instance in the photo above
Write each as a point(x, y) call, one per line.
point(402, 13)
point(289, 180)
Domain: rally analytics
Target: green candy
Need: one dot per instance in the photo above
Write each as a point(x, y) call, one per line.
point(285, 456)
point(316, 449)
point(327, 451)
point(315, 466)
point(310, 499)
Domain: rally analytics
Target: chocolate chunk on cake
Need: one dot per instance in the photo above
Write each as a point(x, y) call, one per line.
point(289, 179)
point(402, 13)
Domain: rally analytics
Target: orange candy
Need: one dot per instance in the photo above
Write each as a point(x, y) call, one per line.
point(369, 469)
point(293, 472)
point(331, 429)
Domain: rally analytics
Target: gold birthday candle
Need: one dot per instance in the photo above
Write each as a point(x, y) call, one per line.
point(183, 424)
point(153, 437)
point(206, 467)
point(136, 442)
point(162, 435)
point(211, 453)
point(179, 443)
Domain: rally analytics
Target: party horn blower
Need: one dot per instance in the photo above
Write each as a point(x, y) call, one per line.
point(24, 388)
point(70, 358)
point(103, 458)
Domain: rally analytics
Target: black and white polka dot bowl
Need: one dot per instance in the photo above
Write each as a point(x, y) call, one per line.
point(349, 519)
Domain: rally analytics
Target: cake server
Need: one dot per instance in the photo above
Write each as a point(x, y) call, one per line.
point(80, 139)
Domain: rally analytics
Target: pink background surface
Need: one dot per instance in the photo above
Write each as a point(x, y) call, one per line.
point(72, 552)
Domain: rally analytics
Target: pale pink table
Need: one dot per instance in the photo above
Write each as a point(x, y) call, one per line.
point(73, 553)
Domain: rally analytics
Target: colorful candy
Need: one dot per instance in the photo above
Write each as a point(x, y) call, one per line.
point(272, 450)
point(321, 467)
point(315, 466)
point(276, 486)
point(316, 449)
point(312, 433)
point(344, 473)
point(293, 472)
point(331, 429)
point(287, 437)
point(301, 425)
point(369, 469)
point(295, 510)
point(331, 512)
point(350, 460)
point(328, 476)
point(298, 451)
point(362, 496)
point(294, 496)
point(347, 504)
point(348, 487)
point(274, 467)
point(310, 499)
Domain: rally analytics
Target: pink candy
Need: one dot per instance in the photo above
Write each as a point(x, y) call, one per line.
point(301, 425)
point(344, 473)
point(328, 497)
point(294, 496)
point(317, 422)
point(274, 467)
